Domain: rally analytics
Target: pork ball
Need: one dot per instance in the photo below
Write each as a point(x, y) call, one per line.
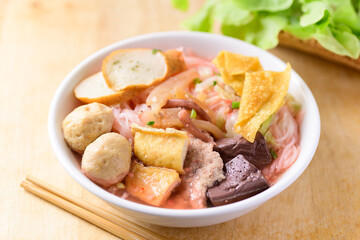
point(107, 160)
point(85, 123)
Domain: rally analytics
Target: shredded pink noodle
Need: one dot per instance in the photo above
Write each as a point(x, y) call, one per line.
point(125, 116)
point(193, 61)
point(285, 130)
point(218, 104)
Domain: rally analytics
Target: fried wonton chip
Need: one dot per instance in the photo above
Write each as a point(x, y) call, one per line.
point(233, 67)
point(262, 96)
point(237, 64)
point(257, 89)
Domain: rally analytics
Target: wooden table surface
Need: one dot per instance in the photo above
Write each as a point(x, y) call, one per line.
point(41, 41)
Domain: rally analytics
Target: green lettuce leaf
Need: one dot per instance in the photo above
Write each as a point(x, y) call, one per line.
point(325, 21)
point(303, 33)
point(264, 5)
point(263, 31)
point(346, 14)
point(307, 32)
point(337, 3)
point(339, 41)
point(202, 21)
point(356, 4)
point(335, 24)
point(229, 13)
point(182, 5)
point(313, 12)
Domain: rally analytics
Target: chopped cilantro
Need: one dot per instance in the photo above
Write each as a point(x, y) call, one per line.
point(273, 153)
point(150, 123)
point(116, 62)
point(193, 114)
point(214, 83)
point(235, 104)
point(196, 81)
point(154, 51)
point(135, 68)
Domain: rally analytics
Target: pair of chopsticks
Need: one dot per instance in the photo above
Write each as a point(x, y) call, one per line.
point(100, 217)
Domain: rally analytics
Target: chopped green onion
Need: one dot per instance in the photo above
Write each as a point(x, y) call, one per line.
point(270, 139)
point(154, 51)
point(196, 81)
point(120, 185)
point(214, 83)
point(150, 123)
point(235, 104)
point(273, 153)
point(265, 125)
point(295, 107)
point(193, 114)
point(135, 68)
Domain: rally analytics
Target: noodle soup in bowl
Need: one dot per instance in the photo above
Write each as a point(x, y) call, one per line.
point(205, 46)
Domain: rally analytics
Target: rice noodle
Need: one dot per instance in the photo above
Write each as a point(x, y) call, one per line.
point(230, 122)
point(193, 61)
point(205, 72)
point(206, 92)
point(285, 130)
point(125, 116)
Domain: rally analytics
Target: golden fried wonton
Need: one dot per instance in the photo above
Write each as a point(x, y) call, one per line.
point(262, 96)
point(233, 67)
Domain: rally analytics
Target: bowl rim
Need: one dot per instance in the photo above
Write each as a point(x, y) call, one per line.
point(176, 213)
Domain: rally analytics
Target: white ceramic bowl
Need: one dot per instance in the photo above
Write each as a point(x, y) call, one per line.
point(205, 45)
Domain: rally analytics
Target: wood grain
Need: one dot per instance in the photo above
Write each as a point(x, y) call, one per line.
point(41, 41)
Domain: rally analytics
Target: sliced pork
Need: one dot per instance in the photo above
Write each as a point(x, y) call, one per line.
point(203, 168)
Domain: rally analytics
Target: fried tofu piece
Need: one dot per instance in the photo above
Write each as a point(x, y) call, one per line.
point(159, 147)
point(152, 185)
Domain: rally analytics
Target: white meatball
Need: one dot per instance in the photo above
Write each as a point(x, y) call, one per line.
point(107, 160)
point(85, 123)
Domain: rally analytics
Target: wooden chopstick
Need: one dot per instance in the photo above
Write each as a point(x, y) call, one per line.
point(100, 217)
point(97, 210)
point(80, 212)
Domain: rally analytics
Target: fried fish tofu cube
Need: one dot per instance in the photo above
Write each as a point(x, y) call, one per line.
point(152, 185)
point(159, 147)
